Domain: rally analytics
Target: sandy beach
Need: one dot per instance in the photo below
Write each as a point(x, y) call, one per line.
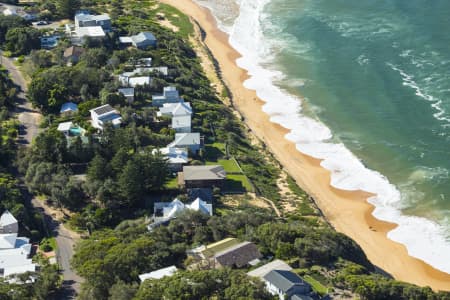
point(348, 212)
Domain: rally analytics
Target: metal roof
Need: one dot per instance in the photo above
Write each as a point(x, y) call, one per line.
point(284, 280)
point(211, 172)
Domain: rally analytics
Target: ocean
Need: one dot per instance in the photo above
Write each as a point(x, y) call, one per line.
point(365, 86)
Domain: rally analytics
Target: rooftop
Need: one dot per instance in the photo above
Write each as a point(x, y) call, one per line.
point(73, 51)
point(143, 36)
point(211, 249)
point(158, 274)
point(238, 255)
point(91, 31)
point(7, 218)
point(262, 271)
point(183, 139)
point(68, 106)
point(284, 280)
point(104, 109)
point(65, 126)
point(210, 172)
point(126, 91)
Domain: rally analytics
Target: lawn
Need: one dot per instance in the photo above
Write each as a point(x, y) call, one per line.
point(237, 183)
point(51, 241)
point(229, 165)
point(213, 152)
point(316, 285)
point(172, 184)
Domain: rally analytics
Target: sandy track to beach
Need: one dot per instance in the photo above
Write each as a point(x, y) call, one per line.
point(348, 212)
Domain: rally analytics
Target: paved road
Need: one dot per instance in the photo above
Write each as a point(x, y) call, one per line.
point(29, 119)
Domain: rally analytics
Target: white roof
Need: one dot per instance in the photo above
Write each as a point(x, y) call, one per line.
point(175, 155)
point(7, 219)
point(8, 240)
point(29, 267)
point(184, 139)
point(91, 31)
point(68, 106)
point(175, 109)
point(65, 126)
point(126, 91)
point(134, 81)
point(179, 122)
point(200, 205)
point(125, 40)
point(158, 274)
point(9, 12)
point(265, 269)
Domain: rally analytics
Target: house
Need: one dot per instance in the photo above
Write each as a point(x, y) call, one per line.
point(94, 33)
point(163, 212)
point(176, 157)
point(10, 12)
point(208, 251)
point(49, 41)
point(162, 70)
point(192, 141)
point(180, 114)
point(142, 40)
point(85, 19)
point(68, 108)
point(72, 54)
point(169, 210)
point(202, 176)
point(8, 224)
point(262, 271)
point(105, 114)
point(203, 193)
point(285, 284)
point(238, 256)
point(158, 274)
point(70, 130)
point(144, 62)
point(128, 93)
point(131, 80)
point(169, 95)
point(14, 251)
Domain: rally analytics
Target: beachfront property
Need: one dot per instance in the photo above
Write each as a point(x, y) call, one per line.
point(158, 274)
point(131, 79)
point(142, 40)
point(229, 252)
point(163, 212)
point(176, 157)
point(286, 285)
point(68, 108)
point(262, 271)
point(180, 113)
point(72, 54)
point(105, 114)
point(144, 62)
point(202, 176)
point(14, 251)
point(169, 95)
point(191, 141)
point(128, 93)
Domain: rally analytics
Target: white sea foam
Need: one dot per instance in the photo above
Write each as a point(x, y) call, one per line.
point(423, 238)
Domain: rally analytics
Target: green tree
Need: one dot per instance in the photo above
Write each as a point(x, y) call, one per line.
point(67, 8)
point(21, 40)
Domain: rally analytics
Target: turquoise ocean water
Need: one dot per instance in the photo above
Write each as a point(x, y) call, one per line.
point(364, 85)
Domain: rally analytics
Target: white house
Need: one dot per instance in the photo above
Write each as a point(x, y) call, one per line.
point(176, 157)
point(181, 115)
point(14, 250)
point(142, 40)
point(169, 95)
point(285, 284)
point(169, 210)
point(65, 127)
point(68, 108)
point(262, 271)
point(191, 141)
point(126, 79)
point(158, 274)
point(87, 20)
point(105, 114)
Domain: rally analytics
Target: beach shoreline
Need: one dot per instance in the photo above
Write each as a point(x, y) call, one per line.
point(347, 211)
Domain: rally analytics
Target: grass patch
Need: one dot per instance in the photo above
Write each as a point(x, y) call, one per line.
point(213, 152)
point(296, 189)
point(229, 165)
point(172, 184)
point(237, 183)
point(48, 244)
point(316, 285)
point(177, 18)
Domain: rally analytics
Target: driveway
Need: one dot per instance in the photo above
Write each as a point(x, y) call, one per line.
point(29, 121)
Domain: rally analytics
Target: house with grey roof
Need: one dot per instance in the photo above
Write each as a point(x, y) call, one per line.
point(8, 224)
point(191, 141)
point(142, 40)
point(238, 256)
point(202, 176)
point(128, 93)
point(285, 284)
point(180, 113)
point(105, 114)
point(169, 95)
point(84, 19)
